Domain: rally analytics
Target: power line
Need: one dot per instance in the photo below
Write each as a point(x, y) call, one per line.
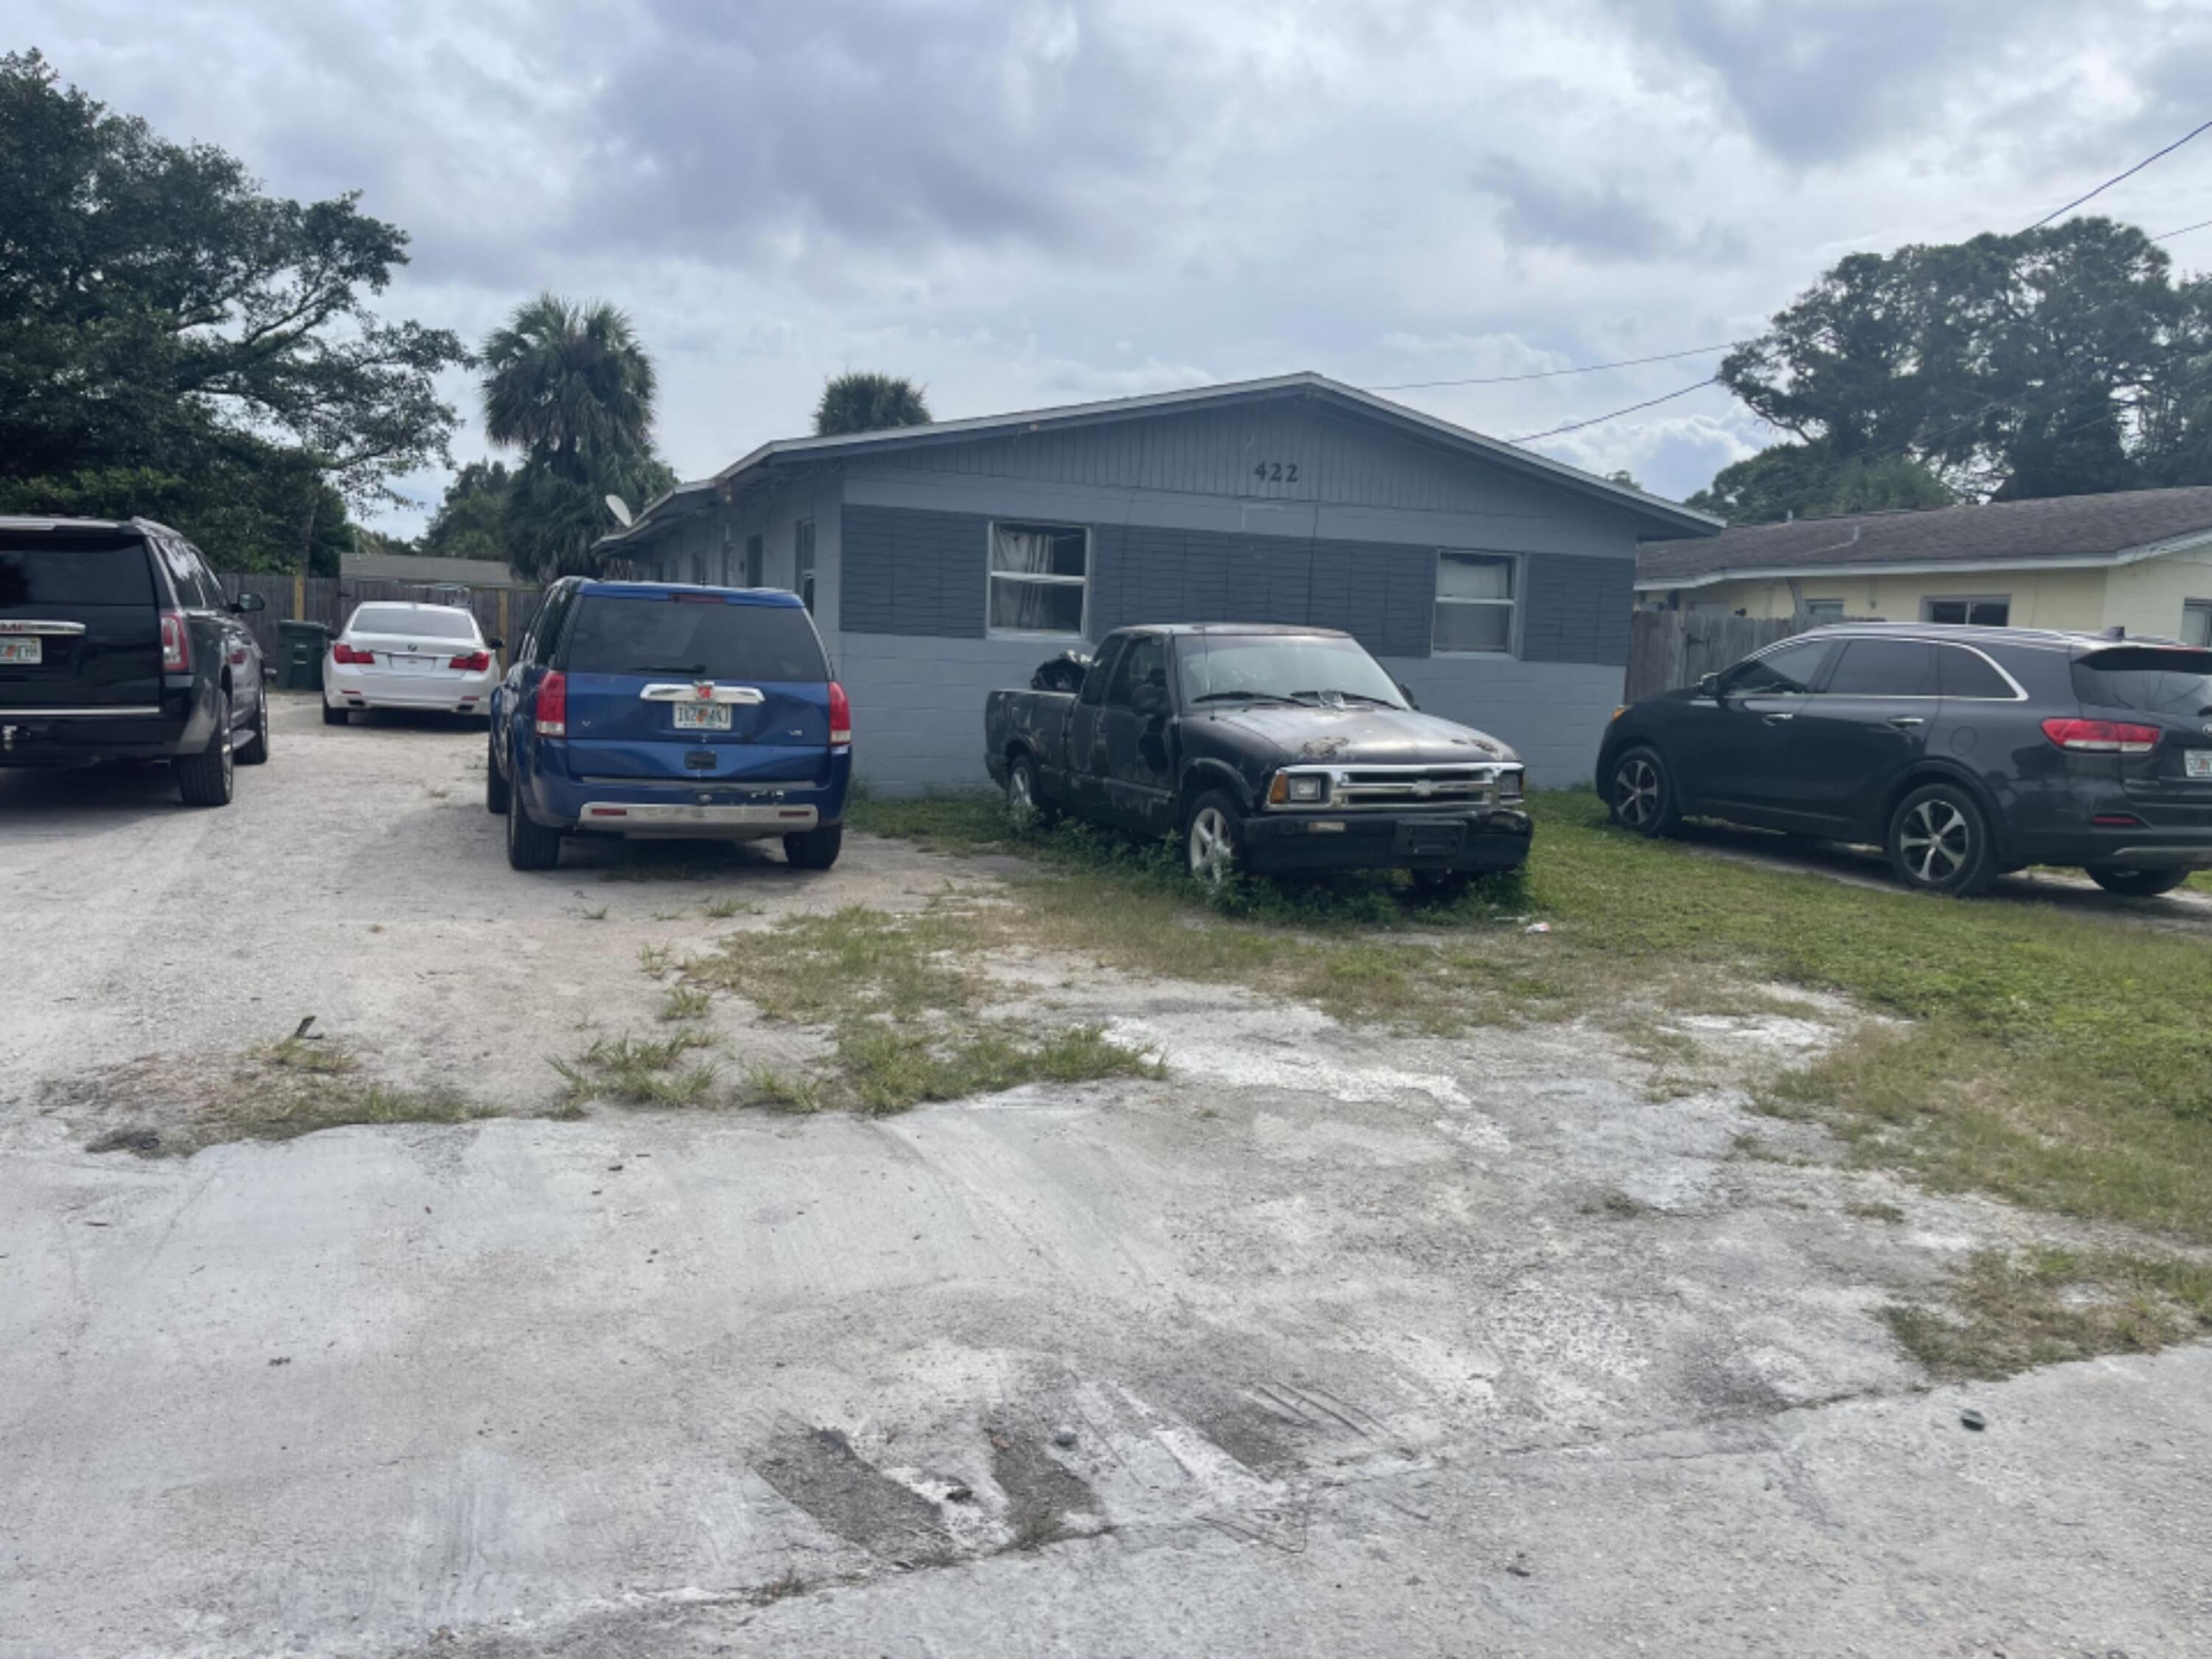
point(2168, 235)
point(2117, 177)
point(1614, 415)
point(1553, 374)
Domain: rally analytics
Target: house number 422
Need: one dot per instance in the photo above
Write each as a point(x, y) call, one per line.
point(1276, 472)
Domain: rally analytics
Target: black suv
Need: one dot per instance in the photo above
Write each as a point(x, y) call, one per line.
point(1966, 752)
point(116, 644)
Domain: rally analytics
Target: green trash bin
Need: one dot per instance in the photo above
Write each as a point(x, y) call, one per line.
point(303, 646)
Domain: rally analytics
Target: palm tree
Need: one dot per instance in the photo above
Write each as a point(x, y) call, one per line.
point(860, 402)
point(569, 382)
point(570, 386)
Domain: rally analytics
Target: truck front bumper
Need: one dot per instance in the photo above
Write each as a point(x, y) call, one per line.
point(1280, 842)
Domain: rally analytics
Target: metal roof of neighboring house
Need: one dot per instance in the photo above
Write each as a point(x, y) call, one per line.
point(429, 571)
point(1656, 516)
point(2064, 531)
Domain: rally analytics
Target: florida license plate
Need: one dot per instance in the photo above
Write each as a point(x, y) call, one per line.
point(23, 651)
point(702, 717)
point(2198, 764)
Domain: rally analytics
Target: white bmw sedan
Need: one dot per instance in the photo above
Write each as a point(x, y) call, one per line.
point(398, 655)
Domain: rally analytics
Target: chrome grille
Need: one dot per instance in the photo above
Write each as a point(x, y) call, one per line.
point(1352, 788)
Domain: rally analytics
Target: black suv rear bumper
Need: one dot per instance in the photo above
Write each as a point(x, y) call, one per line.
point(1279, 841)
point(69, 737)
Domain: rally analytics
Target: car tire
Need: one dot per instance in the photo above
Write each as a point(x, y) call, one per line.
point(814, 849)
point(1213, 838)
point(333, 716)
point(204, 779)
point(1026, 802)
point(496, 789)
point(254, 751)
point(1640, 793)
point(1939, 842)
point(530, 844)
point(2136, 884)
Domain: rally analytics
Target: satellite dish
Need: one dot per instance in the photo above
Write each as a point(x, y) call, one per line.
point(620, 508)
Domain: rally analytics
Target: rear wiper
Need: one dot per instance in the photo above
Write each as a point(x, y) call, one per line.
point(690, 671)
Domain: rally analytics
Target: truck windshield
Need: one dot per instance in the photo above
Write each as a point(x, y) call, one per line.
point(1282, 667)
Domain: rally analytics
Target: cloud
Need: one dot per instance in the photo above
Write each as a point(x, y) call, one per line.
point(1024, 202)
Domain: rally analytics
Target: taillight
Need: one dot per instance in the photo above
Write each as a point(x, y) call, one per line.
point(2101, 737)
point(176, 644)
point(341, 652)
point(840, 715)
point(474, 662)
point(552, 716)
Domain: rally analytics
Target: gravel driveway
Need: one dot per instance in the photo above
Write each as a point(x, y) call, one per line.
point(1330, 1342)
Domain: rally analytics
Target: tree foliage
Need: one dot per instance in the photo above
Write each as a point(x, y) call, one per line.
point(2057, 362)
point(1806, 481)
point(571, 387)
point(470, 522)
point(169, 333)
point(860, 402)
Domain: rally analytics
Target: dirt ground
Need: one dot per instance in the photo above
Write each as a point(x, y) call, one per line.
point(1328, 1342)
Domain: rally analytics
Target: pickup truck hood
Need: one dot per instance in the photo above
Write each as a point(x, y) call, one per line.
point(1363, 735)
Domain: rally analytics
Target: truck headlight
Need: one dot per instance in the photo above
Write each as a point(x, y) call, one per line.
point(1298, 789)
point(1509, 784)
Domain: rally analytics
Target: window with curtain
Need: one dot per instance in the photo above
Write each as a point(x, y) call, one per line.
point(1995, 611)
point(1039, 572)
point(2197, 621)
point(1475, 603)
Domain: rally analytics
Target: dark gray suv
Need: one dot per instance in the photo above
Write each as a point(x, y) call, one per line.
point(1965, 752)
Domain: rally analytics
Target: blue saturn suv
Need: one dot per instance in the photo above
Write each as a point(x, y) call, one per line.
point(655, 708)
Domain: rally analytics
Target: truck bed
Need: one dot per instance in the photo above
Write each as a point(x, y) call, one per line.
point(1035, 720)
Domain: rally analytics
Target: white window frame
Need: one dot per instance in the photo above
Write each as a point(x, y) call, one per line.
point(993, 577)
point(1827, 609)
point(1970, 600)
point(1514, 563)
point(2202, 608)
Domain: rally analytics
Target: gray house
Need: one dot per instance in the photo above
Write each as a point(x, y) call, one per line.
point(943, 561)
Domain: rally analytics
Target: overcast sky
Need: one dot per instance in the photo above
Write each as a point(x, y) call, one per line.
point(1036, 202)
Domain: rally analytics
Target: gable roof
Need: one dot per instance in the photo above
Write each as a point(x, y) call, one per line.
point(2064, 531)
point(1656, 517)
point(428, 570)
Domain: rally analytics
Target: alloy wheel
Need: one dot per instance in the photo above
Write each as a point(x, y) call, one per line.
point(1021, 798)
point(1936, 840)
point(1212, 846)
point(1636, 792)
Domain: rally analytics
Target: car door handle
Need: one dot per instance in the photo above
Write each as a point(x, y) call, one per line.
point(1906, 722)
point(1780, 719)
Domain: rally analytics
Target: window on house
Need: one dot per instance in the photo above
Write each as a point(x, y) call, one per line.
point(756, 559)
point(2197, 621)
point(1039, 574)
point(1823, 610)
point(802, 559)
point(1979, 613)
point(1475, 603)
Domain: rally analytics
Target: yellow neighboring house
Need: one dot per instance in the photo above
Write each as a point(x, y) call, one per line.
point(2141, 560)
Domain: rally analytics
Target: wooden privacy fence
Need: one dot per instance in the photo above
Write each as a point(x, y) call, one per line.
point(1667, 648)
point(503, 613)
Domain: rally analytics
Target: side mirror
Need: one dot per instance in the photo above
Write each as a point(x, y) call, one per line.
point(496, 644)
point(245, 602)
point(1149, 700)
point(1407, 692)
point(1708, 686)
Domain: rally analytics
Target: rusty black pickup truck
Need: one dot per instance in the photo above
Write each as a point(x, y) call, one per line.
point(1264, 748)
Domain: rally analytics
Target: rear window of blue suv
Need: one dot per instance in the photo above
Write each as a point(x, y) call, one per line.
point(694, 637)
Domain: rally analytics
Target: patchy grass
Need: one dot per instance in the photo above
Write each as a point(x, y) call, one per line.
point(655, 961)
point(282, 1114)
point(2004, 1313)
point(899, 997)
point(309, 1056)
point(722, 909)
point(686, 1002)
point(640, 1071)
point(1888, 1214)
point(2050, 1055)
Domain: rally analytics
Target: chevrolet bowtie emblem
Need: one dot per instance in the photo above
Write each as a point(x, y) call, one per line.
point(1424, 787)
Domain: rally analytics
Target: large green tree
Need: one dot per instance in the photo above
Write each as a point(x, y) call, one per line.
point(470, 522)
point(173, 338)
point(1807, 481)
point(2057, 362)
point(570, 386)
point(858, 401)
